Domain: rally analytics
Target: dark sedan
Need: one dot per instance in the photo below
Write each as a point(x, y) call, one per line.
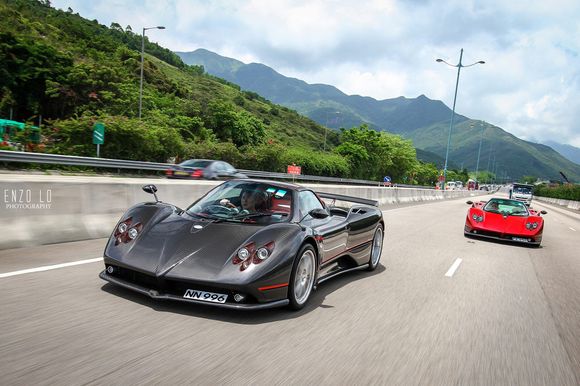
point(204, 169)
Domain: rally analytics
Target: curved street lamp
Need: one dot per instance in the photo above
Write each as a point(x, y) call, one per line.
point(459, 66)
point(142, 56)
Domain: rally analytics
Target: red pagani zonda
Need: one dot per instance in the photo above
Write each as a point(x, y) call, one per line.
point(503, 219)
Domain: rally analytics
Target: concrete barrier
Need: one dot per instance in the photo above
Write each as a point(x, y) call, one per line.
point(574, 205)
point(41, 209)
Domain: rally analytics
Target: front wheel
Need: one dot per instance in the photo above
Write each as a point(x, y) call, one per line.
point(376, 249)
point(302, 277)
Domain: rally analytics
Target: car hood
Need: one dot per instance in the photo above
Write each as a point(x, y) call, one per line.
point(496, 222)
point(180, 243)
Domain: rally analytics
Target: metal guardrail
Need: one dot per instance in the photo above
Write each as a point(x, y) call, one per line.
point(71, 160)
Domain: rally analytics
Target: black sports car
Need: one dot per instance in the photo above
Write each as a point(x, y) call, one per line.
point(246, 244)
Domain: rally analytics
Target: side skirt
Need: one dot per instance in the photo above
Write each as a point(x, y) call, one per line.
point(334, 274)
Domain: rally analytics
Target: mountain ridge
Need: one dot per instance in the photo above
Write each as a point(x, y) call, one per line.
point(423, 120)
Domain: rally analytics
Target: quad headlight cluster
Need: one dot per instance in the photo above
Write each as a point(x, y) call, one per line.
point(477, 218)
point(249, 254)
point(127, 231)
point(531, 225)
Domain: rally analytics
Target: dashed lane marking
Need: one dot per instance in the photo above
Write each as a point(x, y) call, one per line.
point(453, 268)
point(50, 267)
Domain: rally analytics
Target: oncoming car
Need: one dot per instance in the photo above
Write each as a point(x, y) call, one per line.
point(246, 244)
point(504, 219)
point(204, 168)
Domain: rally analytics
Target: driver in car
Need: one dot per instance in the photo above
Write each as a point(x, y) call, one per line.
point(251, 201)
point(493, 206)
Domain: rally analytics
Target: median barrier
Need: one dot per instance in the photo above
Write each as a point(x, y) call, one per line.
point(574, 205)
point(42, 209)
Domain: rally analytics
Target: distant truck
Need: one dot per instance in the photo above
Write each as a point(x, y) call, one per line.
point(522, 192)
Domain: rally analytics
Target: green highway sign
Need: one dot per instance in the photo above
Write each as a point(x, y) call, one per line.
point(99, 133)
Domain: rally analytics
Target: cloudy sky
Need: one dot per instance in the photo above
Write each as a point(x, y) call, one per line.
point(530, 84)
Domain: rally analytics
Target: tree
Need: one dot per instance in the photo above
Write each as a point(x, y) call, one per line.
point(374, 154)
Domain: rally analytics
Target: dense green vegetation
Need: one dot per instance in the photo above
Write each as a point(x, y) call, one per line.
point(566, 192)
point(69, 73)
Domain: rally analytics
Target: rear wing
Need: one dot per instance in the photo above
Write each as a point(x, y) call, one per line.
point(340, 197)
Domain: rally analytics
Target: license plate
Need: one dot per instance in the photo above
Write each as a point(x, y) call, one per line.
point(181, 173)
point(205, 296)
point(519, 239)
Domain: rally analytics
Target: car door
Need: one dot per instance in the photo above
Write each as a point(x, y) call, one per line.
point(221, 170)
point(230, 171)
point(331, 231)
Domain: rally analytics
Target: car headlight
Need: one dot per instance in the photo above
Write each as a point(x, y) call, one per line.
point(532, 225)
point(122, 228)
point(263, 253)
point(133, 232)
point(474, 217)
point(243, 254)
point(480, 218)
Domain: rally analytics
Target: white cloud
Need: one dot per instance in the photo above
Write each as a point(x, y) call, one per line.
point(384, 49)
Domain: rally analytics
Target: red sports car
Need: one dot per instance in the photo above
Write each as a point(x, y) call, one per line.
point(504, 219)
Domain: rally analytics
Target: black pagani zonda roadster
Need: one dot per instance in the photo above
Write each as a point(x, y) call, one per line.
point(246, 244)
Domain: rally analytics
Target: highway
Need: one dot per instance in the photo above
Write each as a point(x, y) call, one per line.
point(505, 315)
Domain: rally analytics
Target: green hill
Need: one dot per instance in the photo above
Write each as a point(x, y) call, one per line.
point(66, 73)
point(420, 119)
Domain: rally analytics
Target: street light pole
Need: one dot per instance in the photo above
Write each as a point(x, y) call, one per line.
point(142, 59)
point(459, 66)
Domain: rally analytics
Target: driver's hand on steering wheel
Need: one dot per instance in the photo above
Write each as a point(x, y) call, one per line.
point(225, 202)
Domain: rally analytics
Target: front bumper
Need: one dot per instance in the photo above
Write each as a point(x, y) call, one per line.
point(152, 293)
point(502, 237)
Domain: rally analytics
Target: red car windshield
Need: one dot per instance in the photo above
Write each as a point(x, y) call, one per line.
point(506, 207)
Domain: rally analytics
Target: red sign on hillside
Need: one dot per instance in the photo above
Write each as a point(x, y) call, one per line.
point(293, 169)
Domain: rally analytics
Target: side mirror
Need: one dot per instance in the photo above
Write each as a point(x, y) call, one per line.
point(318, 213)
point(543, 212)
point(469, 202)
point(151, 189)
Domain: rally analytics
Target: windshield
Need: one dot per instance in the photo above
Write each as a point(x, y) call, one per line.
point(522, 190)
point(506, 207)
point(195, 163)
point(245, 202)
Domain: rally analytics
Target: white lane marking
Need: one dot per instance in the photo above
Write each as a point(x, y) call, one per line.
point(453, 268)
point(572, 229)
point(50, 267)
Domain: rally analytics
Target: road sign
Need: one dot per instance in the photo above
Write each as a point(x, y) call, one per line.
point(387, 179)
point(99, 133)
point(293, 169)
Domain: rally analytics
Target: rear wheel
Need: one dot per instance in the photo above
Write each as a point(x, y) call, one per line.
point(302, 277)
point(376, 249)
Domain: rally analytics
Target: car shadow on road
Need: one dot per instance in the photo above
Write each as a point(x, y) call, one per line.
point(315, 302)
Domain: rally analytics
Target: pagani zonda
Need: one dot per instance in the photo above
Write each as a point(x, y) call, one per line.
point(246, 244)
point(503, 219)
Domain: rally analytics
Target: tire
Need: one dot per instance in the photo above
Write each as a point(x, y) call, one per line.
point(302, 277)
point(376, 249)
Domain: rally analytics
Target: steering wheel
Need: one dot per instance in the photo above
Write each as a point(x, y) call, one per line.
point(219, 209)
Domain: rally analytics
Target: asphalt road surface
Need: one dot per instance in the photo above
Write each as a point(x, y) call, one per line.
point(506, 315)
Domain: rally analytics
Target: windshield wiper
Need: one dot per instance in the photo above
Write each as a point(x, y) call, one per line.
point(260, 214)
point(205, 216)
